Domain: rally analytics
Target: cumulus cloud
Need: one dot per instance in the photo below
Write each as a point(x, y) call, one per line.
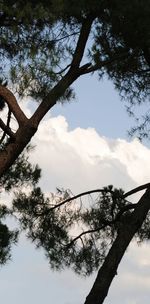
point(81, 159)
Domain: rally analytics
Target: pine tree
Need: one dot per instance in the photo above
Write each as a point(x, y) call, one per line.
point(45, 47)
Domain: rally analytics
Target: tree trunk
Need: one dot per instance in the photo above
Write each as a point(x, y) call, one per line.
point(108, 270)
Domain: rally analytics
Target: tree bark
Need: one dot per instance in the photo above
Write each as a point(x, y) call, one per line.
point(108, 270)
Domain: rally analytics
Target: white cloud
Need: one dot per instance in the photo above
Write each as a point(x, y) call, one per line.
point(81, 159)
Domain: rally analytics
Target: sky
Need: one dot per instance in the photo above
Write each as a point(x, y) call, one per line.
point(82, 145)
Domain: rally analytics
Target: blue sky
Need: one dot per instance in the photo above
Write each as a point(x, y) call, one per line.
point(88, 144)
point(98, 105)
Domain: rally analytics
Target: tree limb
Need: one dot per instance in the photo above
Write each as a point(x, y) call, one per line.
point(83, 37)
point(13, 105)
point(74, 72)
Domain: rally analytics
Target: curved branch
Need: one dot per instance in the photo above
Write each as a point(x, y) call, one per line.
point(133, 191)
point(79, 195)
point(13, 105)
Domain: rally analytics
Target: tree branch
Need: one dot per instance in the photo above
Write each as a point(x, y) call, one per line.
point(78, 196)
point(83, 37)
point(74, 72)
point(133, 191)
point(10, 99)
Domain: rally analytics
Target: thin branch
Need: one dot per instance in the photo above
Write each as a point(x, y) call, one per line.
point(79, 196)
point(64, 37)
point(63, 70)
point(83, 233)
point(135, 190)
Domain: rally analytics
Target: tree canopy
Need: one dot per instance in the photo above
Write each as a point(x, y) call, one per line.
point(38, 43)
point(45, 47)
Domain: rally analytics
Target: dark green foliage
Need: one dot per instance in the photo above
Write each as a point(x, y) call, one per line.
point(52, 227)
point(39, 41)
